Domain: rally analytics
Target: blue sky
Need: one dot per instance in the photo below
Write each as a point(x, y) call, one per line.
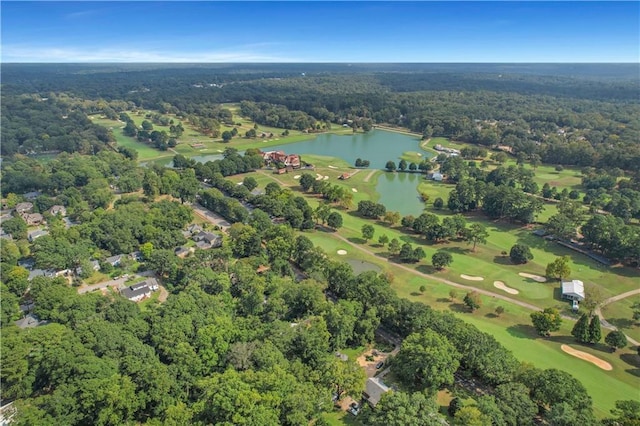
point(320, 31)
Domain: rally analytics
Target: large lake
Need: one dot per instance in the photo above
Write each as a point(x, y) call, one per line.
point(377, 146)
point(398, 191)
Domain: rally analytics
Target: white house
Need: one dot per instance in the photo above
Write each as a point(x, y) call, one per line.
point(437, 176)
point(573, 290)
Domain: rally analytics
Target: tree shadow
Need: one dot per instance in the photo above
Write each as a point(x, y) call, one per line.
point(631, 359)
point(523, 331)
point(443, 300)
point(426, 269)
point(459, 307)
point(491, 315)
point(622, 322)
point(634, 371)
point(356, 240)
point(456, 250)
point(502, 260)
point(415, 293)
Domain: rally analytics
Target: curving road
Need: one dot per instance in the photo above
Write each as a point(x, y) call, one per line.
point(606, 323)
point(526, 305)
point(443, 280)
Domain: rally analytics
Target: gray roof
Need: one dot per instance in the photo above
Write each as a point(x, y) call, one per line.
point(573, 288)
point(37, 234)
point(30, 320)
point(139, 289)
point(374, 389)
point(115, 259)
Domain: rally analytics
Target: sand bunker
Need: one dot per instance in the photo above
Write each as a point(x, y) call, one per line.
point(325, 178)
point(332, 167)
point(354, 190)
point(319, 176)
point(502, 286)
point(471, 278)
point(296, 177)
point(587, 357)
point(341, 252)
point(533, 277)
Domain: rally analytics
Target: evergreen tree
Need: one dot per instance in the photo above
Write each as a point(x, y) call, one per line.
point(595, 331)
point(581, 330)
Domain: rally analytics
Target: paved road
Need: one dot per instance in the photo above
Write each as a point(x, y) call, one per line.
point(606, 323)
point(210, 216)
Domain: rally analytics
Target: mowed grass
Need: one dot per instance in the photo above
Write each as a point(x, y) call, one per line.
point(145, 152)
point(512, 328)
point(620, 314)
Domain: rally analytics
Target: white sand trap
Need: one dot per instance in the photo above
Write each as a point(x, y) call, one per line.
point(587, 357)
point(332, 167)
point(319, 176)
point(471, 278)
point(533, 277)
point(277, 139)
point(296, 177)
point(325, 178)
point(341, 252)
point(419, 155)
point(354, 190)
point(220, 150)
point(502, 286)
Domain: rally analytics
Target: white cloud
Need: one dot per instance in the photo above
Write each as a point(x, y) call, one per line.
point(44, 54)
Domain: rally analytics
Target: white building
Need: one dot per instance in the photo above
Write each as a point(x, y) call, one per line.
point(573, 290)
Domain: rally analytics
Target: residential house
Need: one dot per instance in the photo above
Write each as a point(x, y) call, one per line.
point(95, 265)
point(24, 208)
point(29, 321)
point(191, 230)
point(49, 273)
point(33, 235)
point(344, 176)
point(142, 290)
point(32, 219)
point(27, 263)
point(213, 240)
point(573, 290)
point(31, 195)
point(291, 160)
point(437, 176)
point(58, 210)
point(183, 252)
point(374, 389)
point(115, 260)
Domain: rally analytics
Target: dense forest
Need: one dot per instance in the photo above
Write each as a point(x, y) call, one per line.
point(236, 342)
point(249, 330)
point(564, 119)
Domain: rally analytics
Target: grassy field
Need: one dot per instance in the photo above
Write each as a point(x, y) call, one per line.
point(513, 328)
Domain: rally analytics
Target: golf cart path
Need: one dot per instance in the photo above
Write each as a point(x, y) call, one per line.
point(606, 323)
point(443, 280)
point(526, 305)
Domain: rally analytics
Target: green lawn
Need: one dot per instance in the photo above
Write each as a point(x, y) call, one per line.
point(513, 328)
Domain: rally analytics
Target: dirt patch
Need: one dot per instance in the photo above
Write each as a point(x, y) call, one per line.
point(533, 277)
point(341, 252)
point(502, 286)
point(471, 277)
point(587, 357)
point(162, 297)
